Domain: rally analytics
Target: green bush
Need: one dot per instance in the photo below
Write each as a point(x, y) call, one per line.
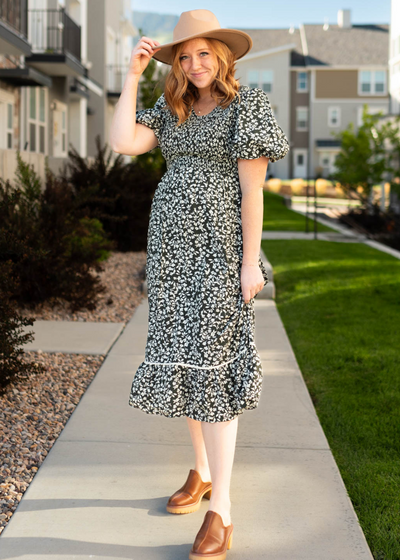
point(116, 193)
point(52, 243)
point(12, 335)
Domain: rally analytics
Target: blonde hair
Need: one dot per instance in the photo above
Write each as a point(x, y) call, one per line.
point(180, 93)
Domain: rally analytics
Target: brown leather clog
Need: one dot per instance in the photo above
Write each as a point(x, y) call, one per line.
point(188, 498)
point(213, 539)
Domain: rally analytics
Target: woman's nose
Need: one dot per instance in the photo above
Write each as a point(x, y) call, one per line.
point(196, 63)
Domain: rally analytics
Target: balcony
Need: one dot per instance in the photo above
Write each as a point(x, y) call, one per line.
point(115, 78)
point(56, 43)
point(13, 28)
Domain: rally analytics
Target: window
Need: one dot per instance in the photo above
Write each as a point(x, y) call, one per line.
point(372, 110)
point(37, 120)
point(59, 120)
point(379, 81)
point(302, 81)
point(301, 118)
point(327, 162)
point(10, 125)
point(6, 119)
point(372, 82)
point(252, 78)
point(262, 79)
point(333, 116)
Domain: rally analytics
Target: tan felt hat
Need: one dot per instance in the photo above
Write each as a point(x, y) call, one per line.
point(203, 23)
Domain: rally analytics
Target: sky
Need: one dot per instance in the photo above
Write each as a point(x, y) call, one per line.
point(277, 14)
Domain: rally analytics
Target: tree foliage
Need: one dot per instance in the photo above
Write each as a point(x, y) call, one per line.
point(368, 157)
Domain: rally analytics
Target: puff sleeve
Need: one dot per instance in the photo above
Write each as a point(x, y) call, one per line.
point(153, 117)
point(256, 132)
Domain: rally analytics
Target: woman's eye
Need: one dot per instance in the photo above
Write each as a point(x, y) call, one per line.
point(184, 56)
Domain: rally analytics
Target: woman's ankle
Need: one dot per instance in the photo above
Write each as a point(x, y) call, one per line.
point(204, 473)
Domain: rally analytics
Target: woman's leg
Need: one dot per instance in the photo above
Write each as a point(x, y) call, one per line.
point(201, 464)
point(220, 444)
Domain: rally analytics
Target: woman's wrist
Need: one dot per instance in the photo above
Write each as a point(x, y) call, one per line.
point(132, 76)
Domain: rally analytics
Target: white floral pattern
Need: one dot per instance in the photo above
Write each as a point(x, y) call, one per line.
point(201, 360)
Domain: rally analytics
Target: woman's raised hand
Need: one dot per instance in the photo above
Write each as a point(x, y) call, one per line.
point(141, 55)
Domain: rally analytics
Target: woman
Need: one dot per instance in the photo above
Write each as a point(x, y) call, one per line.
point(203, 264)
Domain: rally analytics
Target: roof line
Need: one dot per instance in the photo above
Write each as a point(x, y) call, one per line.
point(281, 48)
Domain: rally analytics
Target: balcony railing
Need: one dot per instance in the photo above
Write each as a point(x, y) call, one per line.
point(53, 31)
point(116, 75)
point(14, 12)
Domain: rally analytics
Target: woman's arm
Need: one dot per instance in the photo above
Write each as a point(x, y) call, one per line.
point(126, 135)
point(252, 174)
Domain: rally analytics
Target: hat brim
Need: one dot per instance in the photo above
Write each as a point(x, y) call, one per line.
point(238, 41)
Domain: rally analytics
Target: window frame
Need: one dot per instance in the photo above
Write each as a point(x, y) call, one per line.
point(259, 82)
point(298, 89)
point(302, 108)
point(7, 99)
point(375, 109)
point(372, 83)
point(9, 129)
point(36, 121)
point(339, 116)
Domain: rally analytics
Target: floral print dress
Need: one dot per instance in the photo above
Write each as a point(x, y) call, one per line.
point(201, 360)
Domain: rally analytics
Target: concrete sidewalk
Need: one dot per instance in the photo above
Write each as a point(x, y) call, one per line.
point(102, 489)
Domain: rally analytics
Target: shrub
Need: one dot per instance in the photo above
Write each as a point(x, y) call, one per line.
point(53, 245)
point(116, 193)
point(12, 335)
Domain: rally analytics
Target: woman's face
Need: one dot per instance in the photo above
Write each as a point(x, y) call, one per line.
point(198, 62)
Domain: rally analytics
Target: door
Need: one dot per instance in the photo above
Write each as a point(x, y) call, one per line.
point(300, 164)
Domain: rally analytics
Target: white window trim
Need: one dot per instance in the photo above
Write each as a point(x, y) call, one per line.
point(305, 129)
point(307, 83)
point(372, 109)
point(8, 99)
point(10, 130)
point(259, 80)
point(339, 117)
point(372, 93)
point(36, 121)
point(62, 107)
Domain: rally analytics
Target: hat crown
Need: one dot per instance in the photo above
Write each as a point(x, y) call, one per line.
point(194, 22)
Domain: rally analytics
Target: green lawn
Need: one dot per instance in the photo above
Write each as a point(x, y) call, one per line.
point(340, 304)
point(277, 217)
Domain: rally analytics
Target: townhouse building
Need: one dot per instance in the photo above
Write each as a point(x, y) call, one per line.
point(394, 58)
point(110, 32)
point(318, 77)
point(61, 70)
point(63, 64)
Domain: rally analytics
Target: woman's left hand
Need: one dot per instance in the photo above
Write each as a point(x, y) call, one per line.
point(252, 281)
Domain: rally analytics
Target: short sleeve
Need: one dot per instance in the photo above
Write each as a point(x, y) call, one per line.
point(256, 132)
point(153, 117)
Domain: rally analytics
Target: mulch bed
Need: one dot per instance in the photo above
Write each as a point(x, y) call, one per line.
point(34, 411)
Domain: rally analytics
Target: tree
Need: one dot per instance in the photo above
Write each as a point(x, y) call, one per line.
point(368, 157)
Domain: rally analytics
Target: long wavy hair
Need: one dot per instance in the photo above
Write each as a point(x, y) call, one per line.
point(180, 93)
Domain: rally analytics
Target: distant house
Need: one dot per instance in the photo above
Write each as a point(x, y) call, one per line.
point(318, 78)
point(61, 68)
